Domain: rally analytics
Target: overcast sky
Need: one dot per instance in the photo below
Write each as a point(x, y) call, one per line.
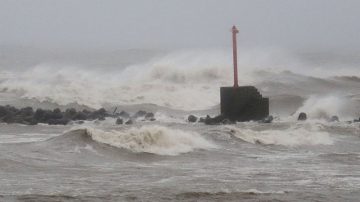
point(121, 24)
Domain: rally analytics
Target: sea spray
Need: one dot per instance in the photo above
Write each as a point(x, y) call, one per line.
point(187, 80)
point(324, 107)
point(152, 139)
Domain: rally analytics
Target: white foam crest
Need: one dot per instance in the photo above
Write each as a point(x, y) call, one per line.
point(184, 67)
point(152, 139)
point(294, 136)
point(323, 107)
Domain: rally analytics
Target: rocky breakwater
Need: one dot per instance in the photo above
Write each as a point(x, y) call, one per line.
point(30, 116)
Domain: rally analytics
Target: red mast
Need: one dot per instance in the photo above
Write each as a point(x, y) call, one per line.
point(234, 32)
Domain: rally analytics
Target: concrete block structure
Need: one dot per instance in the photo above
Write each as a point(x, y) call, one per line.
point(243, 103)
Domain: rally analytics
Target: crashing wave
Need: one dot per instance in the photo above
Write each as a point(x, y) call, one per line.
point(152, 139)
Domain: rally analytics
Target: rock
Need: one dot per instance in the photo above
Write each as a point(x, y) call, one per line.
point(80, 116)
point(3, 111)
point(39, 115)
point(334, 119)
point(129, 122)
point(48, 115)
point(119, 121)
point(213, 121)
point(87, 112)
point(57, 111)
point(149, 115)
point(9, 118)
point(70, 113)
point(99, 114)
point(139, 114)
point(302, 116)
point(268, 119)
point(192, 118)
point(28, 116)
point(62, 121)
point(27, 111)
point(152, 119)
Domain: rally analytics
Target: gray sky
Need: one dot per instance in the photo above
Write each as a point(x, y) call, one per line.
point(119, 24)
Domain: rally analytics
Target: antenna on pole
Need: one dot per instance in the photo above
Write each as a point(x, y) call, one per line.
point(234, 31)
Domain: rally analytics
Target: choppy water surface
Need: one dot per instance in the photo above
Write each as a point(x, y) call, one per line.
point(182, 162)
point(170, 159)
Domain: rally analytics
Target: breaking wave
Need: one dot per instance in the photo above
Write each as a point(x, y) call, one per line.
point(152, 139)
point(187, 80)
point(293, 136)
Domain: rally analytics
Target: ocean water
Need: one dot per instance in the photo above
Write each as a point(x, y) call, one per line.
point(170, 159)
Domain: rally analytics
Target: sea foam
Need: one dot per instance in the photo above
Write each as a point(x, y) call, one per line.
point(293, 136)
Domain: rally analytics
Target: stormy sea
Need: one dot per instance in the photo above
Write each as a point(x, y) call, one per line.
point(168, 158)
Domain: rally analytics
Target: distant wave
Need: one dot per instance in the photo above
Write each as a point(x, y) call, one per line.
point(293, 136)
point(349, 78)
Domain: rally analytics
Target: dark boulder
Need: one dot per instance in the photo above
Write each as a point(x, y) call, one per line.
point(55, 114)
point(140, 113)
point(39, 115)
point(149, 115)
point(70, 113)
point(99, 114)
point(62, 121)
point(80, 116)
point(129, 122)
point(302, 116)
point(3, 111)
point(57, 111)
point(119, 121)
point(9, 118)
point(85, 111)
point(192, 118)
point(26, 112)
point(214, 121)
point(11, 109)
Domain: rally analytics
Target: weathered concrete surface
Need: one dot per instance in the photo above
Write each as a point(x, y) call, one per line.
point(243, 103)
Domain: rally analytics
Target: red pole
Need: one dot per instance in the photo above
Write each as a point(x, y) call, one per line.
point(234, 32)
